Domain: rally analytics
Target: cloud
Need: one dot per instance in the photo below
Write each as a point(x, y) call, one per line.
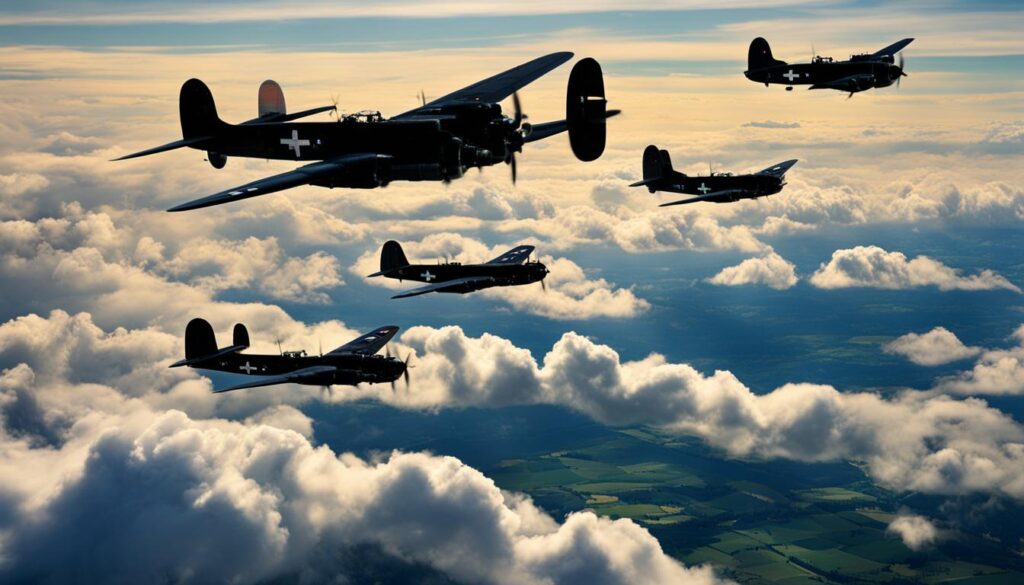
point(874, 267)
point(772, 124)
point(997, 371)
point(909, 442)
point(251, 263)
point(132, 491)
point(917, 532)
point(936, 347)
point(770, 270)
point(570, 293)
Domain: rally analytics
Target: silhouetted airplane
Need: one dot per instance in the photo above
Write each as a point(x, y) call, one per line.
point(858, 73)
point(437, 141)
point(511, 268)
point(351, 364)
point(717, 187)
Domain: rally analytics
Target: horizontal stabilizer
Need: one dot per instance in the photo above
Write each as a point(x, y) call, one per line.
point(165, 147)
point(645, 182)
point(206, 358)
point(276, 118)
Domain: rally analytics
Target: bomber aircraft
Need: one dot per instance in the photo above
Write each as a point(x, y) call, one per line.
point(511, 268)
point(353, 363)
point(858, 73)
point(437, 141)
point(716, 187)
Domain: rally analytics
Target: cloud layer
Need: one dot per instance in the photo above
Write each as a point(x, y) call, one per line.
point(770, 270)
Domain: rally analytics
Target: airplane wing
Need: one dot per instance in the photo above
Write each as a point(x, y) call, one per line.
point(443, 285)
point(369, 343)
point(514, 256)
point(298, 376)
point(851, 83)
point(493, 89)
point(300, 176)
point(779, 169)
point(893, 48)
point(705, 197)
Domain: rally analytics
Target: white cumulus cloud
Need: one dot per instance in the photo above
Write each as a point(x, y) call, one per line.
point(917, 532)
point(936, 347)
point(874, 267)
point(770, 270)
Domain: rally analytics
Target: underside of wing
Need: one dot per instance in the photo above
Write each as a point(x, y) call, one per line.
point(440, 286)
point(779, 169)
point(708, 196)
point(495, 88)
point(300, 176)
point(368, 343)
point(852, 83)
point(297, 377)
point(514, 256)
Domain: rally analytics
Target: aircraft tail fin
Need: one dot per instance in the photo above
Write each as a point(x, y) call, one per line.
point(198, 111)
point(271, 99)
point(201, 344)
point(657, 166)
point(760, 55)
point(240, 337)
point(199, 339)
point(391, 258)
point(586, 110)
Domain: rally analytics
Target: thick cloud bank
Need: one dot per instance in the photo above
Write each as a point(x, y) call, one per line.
point(936, 347)
point(770, 270)
point(102, 483)
point(874, 267)
point(914, 441)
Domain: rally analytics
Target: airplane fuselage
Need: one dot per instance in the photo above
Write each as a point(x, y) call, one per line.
point(415, 149)
point(501, 274)
point(750, 186)
point(858, 75)
point(352, 369)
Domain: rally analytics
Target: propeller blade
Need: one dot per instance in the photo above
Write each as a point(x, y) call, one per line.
point(405, 373)
point(517, 109)
point(512, 163)
point(543, 285)
point(387, 350)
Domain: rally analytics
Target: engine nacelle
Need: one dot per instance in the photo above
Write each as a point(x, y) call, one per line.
point(217, 160)
point(585, 110)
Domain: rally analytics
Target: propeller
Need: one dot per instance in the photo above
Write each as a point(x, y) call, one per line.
point(334, 103)
point(900, 65)
point(405, 373)
point(520, 131)
point(320, 344)
point(543, 285)
point(279, 350)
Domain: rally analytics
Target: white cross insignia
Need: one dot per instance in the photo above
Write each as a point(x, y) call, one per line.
point(294, 143)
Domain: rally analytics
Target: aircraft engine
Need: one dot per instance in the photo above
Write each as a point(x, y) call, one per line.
point(217, 160)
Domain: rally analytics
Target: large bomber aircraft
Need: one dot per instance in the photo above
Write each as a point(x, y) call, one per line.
point(511, 268)
point(858, 73)
point(437, 141)
point(716, 187)
point(353, 363)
